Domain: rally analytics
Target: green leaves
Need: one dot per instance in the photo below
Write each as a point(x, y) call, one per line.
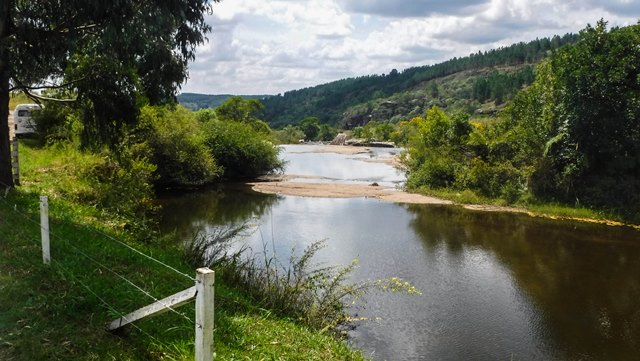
point(582, 118)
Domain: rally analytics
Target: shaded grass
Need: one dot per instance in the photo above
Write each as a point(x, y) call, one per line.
point(57, 312)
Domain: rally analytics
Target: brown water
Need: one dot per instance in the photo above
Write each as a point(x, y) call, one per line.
point(495, 286)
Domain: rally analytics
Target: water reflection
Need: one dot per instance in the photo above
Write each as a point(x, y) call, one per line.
point(496, 286)
point(193, 212)
point(582, 278)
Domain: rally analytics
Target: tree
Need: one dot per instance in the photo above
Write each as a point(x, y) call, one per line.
point(249, 111)
point(595, 152)
point(310, 126)
point(240, 110)
point(112, 55)
point(579, 123)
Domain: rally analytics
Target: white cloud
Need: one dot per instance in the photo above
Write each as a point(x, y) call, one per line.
point(260, 47)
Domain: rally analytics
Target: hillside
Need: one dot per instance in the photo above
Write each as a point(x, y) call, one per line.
point(477, 84)
point(474, 83)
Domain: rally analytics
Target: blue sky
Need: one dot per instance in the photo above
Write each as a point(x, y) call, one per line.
point(269, 47)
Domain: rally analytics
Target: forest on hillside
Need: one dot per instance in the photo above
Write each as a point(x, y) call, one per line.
point(572, 137)
point(493, 72)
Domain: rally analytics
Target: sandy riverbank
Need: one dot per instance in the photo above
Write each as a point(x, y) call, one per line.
point(283, 185)
point(331, 189)
point(341, 190)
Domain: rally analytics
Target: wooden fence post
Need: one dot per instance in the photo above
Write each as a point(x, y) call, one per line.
point(205, 280)
point(14, 161)
point(44, 229)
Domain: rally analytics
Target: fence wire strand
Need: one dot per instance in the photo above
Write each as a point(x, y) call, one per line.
point(104, 302)
point(98, 232)
point(85, 255)
point(142, 290)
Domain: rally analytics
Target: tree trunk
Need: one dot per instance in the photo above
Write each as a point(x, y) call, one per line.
point(6, 176)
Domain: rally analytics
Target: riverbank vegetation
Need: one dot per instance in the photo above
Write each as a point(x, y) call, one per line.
point(59, 311)
point(183, 148)
point(571, 138)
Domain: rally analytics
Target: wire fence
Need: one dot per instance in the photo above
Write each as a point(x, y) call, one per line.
point(73, 242)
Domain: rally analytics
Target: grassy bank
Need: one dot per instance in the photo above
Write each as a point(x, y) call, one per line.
point(58, 312)
point(531, 207)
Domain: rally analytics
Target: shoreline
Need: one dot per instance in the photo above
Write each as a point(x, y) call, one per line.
point(282, 185)
point(333, 190)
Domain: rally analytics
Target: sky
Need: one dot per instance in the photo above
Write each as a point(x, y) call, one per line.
point(269, 47)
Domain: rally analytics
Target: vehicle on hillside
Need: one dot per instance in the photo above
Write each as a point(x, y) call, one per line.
point(23, 122)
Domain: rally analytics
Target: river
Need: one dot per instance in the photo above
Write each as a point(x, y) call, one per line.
point(495, 286)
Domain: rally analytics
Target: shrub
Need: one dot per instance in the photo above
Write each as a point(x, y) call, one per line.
point(288, 135)
point(493, 180)
point(435, 172)
point(56, 124)
point(242, 152)
point(123, 189)
point(317, 297)
point(172, 140)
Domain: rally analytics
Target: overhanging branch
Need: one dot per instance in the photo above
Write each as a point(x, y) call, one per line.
point(59, 86)
point(40, 97)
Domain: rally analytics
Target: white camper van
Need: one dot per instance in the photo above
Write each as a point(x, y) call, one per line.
point(22, 118)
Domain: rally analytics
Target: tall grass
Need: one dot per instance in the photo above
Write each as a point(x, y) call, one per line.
point(318, 297)
point(55, 312)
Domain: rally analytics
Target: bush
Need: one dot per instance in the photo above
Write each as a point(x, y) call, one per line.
point(124, 190)
point(172, 140)
point(495, 180)
point(315, 296)
point(434, 172)
point(55, 124)
point(242, 152)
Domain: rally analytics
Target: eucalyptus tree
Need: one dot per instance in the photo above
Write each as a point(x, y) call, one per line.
point(107, 56)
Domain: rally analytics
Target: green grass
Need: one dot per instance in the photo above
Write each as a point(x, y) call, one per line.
point(18, 98)
point(57, 312)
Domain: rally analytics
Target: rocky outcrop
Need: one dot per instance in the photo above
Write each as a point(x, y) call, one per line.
point(340, 139)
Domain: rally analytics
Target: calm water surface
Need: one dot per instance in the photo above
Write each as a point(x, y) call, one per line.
point(495, 286)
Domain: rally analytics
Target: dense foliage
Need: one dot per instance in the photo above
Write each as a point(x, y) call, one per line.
point(592, 99)
point(241, 151)
point(185, 149)
point(173, 140)
point(571, 137)
point(112, 55)
point(329, 101)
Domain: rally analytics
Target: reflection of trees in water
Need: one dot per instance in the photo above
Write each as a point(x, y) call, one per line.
point(189, 213)
point(584, 278)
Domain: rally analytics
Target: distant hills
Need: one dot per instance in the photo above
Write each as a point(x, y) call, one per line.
point(195, 101)
point(479, 83)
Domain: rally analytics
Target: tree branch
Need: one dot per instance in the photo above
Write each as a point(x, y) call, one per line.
point(25, 89)
point(59, 86)
point(37, 97)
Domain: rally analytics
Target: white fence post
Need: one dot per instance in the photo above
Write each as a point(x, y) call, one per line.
point(14, 161)
point(44, 229)
point(205, 281)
